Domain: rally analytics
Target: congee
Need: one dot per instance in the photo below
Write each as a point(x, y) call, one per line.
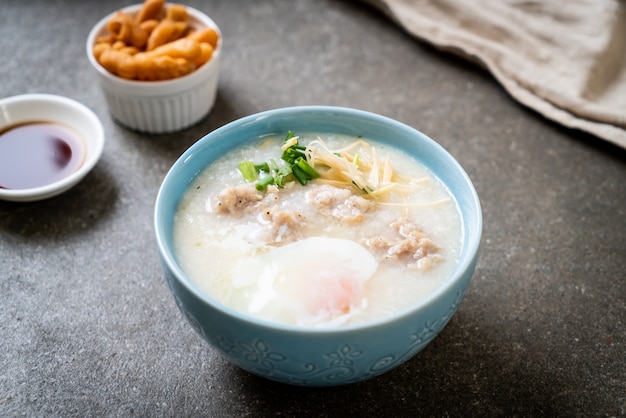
point(317, 230)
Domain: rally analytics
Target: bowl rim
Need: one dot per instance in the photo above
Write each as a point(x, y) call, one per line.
point(91, 157)
point(147, 88)
point(168, 256)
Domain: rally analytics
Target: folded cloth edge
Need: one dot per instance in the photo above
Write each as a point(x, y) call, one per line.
point(445, 39)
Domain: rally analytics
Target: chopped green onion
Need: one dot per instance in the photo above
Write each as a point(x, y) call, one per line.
point(292, 153)
point(272, 164)
point(262, 167)
point(248, 170)
point(296, 167)
point(262, 184)
point(282, 175)
point(300, 175)
point(306, 167)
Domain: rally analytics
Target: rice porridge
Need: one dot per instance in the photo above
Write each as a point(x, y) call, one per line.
point(340, 231)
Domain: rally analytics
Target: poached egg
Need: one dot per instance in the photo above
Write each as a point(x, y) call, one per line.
point(317, 281)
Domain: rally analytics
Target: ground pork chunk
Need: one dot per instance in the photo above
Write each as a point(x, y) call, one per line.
point(338, 203)
point(280, 226)
point(241, 198)
point(411, 245)
point(236, 199)
point(274, 226)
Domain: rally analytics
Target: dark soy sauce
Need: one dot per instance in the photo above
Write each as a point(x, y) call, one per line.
point(37, 154)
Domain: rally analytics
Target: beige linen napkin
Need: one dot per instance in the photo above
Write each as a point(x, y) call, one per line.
point(566, 59)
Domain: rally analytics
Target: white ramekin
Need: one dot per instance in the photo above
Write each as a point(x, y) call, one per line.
point(160, 106)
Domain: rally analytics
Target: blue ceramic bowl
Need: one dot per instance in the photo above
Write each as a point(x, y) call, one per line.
point(308, 356)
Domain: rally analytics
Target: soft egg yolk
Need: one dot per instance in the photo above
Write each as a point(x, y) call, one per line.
point(315, 282)
point(333, 292)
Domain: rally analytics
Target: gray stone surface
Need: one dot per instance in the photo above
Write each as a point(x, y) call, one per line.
point(88, 328)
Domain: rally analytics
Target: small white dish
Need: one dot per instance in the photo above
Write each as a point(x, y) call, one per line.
point(37, 108)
